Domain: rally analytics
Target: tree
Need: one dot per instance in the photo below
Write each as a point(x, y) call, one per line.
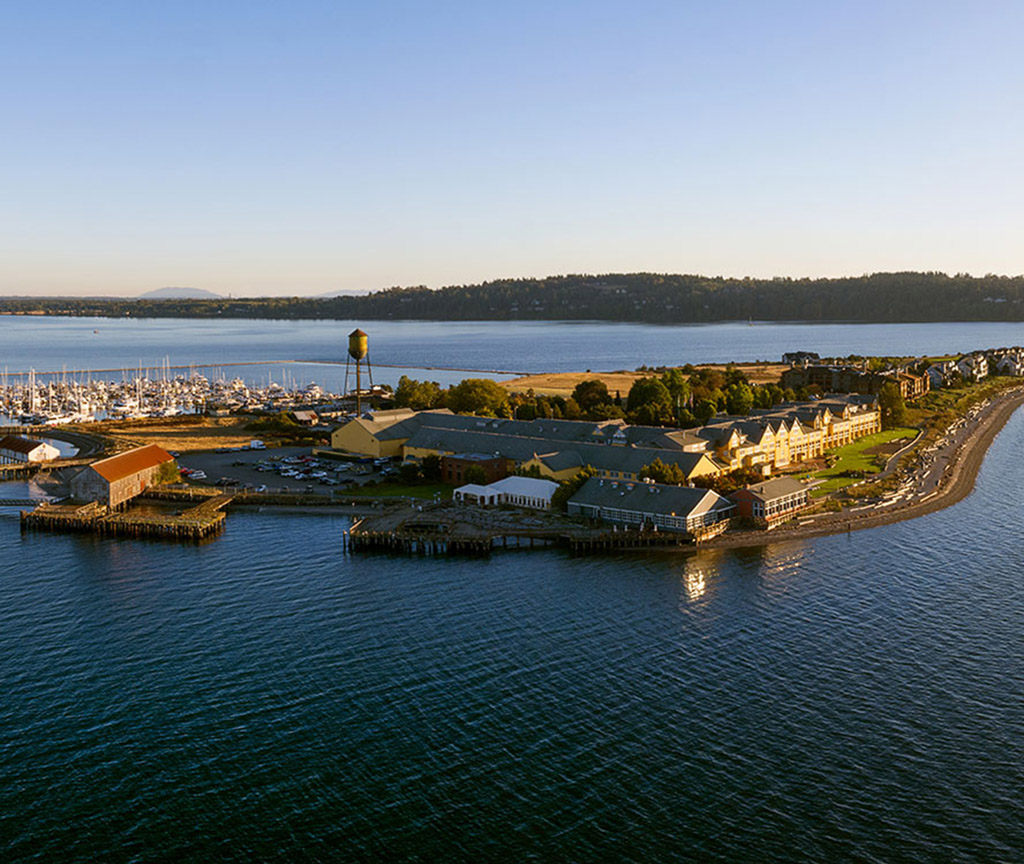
point(167, 473)
point(568, 488)
point(661, 472)
point(591, 393)
point(678, 388)
point(704, 411)
point(418, 394)
point(477, 396)
point(892, 406)
point(571, 410)
point(409, 473)
point(739, 399)
point(430, 468)
point(475, 474)
point(605, 412)
point(649, 403)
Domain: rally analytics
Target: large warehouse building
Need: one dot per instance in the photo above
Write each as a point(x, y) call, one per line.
point(120, 478)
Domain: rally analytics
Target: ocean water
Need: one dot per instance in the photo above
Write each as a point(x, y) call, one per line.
point(268, 697)
point(54, 344)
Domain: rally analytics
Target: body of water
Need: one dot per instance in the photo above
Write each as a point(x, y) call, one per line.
point(267, 697)
point(52, 344)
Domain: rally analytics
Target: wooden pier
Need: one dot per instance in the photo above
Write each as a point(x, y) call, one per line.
point(200, 522)
point(450, 529)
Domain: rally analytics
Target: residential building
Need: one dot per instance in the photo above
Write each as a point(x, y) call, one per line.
point(853, 379)
point(973, 367)
point(769, 503)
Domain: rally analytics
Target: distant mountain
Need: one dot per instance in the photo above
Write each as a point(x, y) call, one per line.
point(179, 294)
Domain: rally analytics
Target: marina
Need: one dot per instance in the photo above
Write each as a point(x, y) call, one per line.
point(35, 399)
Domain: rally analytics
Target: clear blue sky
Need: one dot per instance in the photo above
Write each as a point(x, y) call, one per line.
point(304, 147)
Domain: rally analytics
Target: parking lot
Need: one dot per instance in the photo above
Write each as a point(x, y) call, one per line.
point(290, 469)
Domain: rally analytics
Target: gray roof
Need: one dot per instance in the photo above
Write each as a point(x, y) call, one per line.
point(683, 501)
point(603, 456)
point(777, 488)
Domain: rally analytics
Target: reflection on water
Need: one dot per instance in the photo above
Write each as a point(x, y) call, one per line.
point(698, 572)
point(851, 698)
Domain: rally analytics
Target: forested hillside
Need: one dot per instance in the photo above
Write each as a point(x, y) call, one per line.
point(615, 297)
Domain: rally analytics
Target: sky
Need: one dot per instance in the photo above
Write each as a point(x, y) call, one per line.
point(267, 148)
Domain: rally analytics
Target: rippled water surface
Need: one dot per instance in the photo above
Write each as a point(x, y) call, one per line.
point(859, 697)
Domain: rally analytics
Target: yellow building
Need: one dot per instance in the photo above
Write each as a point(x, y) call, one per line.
point(377, 433)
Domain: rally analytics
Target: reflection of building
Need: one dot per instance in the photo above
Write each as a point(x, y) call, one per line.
point(699, 513)
point(120, 478)
point(13, 448)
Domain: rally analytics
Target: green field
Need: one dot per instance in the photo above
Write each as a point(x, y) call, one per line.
point(853, 457)
point(387, 489)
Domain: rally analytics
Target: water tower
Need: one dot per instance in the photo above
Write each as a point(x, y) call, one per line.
point(358, 350)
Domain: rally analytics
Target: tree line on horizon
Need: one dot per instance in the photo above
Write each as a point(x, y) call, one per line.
point(636, 297)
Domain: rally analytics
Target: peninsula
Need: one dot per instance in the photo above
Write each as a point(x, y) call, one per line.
point(729, 455)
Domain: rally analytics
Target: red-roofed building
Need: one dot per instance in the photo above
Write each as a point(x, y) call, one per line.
point(117, 479)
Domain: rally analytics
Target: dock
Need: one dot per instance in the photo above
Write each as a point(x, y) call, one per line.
point(454, 529)
point(198, 522)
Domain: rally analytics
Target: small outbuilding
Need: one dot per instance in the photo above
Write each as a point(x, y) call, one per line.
point(120, 478)
point(14, 448)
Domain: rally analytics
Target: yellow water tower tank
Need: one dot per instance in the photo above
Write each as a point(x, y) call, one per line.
point(357, 344)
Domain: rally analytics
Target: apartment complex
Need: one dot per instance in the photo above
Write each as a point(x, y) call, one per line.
point(854, 379)
point(765, 440)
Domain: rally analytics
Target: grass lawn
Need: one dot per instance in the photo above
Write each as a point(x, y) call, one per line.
point(398, 490)
point(853, 457)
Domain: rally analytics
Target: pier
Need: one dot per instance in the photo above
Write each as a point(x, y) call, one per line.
point(452, 529)
point(199, 522)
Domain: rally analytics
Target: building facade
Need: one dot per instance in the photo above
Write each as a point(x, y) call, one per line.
point(117, 479)
point(770, 503)
point(14, 448)
point(698, 513)
point(454, 466)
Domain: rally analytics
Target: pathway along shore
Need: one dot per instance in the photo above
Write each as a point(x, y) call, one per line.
point(965, 463)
